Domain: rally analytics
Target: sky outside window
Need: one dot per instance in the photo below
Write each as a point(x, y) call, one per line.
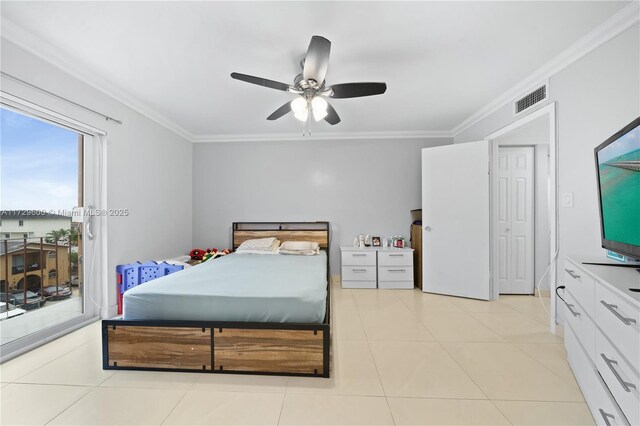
point(38, 164)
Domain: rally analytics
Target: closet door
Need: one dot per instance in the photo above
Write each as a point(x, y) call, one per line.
point(515, 219)
point(455, 212)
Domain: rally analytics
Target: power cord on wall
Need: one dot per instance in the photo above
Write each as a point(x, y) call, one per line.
point(546, 271)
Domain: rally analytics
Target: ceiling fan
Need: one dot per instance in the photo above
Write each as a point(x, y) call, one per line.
point(311, 87)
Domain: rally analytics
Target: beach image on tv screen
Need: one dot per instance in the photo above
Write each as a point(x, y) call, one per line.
point(619, 168)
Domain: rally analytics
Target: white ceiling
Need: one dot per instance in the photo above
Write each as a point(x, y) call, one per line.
point(442, 61)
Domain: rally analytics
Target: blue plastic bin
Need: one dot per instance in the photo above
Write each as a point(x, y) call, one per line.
point(134, 274)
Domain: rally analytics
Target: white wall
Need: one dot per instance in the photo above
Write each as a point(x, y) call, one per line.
point(148, 166)
point(596, 96)
point(360, 186)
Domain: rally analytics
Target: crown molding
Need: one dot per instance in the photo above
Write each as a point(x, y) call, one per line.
point(61, 60)
point(613, 27)
point(265, 137)
point(606, 31)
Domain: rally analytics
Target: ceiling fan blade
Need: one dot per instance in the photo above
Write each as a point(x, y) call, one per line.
point(284, 109)
point(261, 81)
point(316, 62)
point(356, 90)
point(332, 116)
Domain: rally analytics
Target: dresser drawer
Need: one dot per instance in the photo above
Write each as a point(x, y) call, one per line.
point(395, 273)
point(581, 324)
point(398, 258)
point(618, 320)
point(359, 258)
point(359, 273)
point(580, 285)
point(620, 378)
point(604, 409)
point(358, 284)
point(582, 367)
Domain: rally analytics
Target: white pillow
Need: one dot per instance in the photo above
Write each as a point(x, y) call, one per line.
point(259, 246)
point(301, 248)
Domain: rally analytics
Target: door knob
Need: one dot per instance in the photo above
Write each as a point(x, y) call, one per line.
point(427, 228)
point(507, 230)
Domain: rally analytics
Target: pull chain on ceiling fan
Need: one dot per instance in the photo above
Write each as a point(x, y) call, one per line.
point(311, 87)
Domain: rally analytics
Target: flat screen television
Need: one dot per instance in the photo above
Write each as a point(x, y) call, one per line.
point(618, 171)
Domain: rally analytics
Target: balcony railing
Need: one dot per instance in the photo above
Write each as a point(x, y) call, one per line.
point(42, 276)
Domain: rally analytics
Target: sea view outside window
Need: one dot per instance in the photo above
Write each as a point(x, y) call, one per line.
point(41, 253)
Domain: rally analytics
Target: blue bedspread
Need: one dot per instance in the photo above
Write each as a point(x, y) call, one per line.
point(237, 287)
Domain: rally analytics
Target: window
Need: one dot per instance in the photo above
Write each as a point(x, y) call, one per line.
point(42, 171)
point(7, 236)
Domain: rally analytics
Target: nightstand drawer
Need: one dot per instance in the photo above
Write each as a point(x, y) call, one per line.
point(359, 273)
point(359, 258)
point(399, 258)
point(395, 273)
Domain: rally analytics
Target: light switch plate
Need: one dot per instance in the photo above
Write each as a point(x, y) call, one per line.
point(567, 199)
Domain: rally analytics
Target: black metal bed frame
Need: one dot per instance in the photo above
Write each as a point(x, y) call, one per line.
point(324, 327)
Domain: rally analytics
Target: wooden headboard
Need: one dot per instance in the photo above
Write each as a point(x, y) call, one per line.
point(284, 231)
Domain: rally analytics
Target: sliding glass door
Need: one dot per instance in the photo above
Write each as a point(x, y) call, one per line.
point(44, 249)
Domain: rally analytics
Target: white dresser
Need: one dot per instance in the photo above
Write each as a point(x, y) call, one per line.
point(376, 267)
point(602, 337)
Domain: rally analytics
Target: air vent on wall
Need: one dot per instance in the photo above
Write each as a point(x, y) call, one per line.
point(529, 100)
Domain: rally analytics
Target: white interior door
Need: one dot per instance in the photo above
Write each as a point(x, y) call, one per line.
point(455, 212)
point(515, 219)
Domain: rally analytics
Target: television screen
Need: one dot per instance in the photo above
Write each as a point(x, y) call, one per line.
point(618, 163)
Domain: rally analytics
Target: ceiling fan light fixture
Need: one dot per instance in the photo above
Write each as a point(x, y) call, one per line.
point(300, 108)
point(319, 108)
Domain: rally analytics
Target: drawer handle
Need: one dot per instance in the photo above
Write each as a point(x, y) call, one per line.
point(359, 254)
point(573, 275)
point(397, 270)
point(605, 417)
point(359, 270)
point(396, 255)
point(610, 363)
point(612, 308)
point(569, 306)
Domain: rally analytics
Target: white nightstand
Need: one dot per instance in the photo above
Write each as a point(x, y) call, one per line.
point(395, 268)
point(358, 267)
point(376, 267)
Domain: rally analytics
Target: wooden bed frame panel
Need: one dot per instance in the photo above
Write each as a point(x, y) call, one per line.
point(297, 349)
point(159, 347)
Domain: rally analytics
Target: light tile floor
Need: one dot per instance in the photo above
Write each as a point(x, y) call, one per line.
point(399, 356)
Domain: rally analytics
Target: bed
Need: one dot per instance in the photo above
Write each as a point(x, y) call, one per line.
point(240, 314)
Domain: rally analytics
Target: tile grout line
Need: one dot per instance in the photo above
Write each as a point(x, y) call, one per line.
point(72, 404)
point(563, 379)
point(48, 362)
point(175, 406)
point(375, 364)
point(282, 404)
point(463, 370)
point(501, 413)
